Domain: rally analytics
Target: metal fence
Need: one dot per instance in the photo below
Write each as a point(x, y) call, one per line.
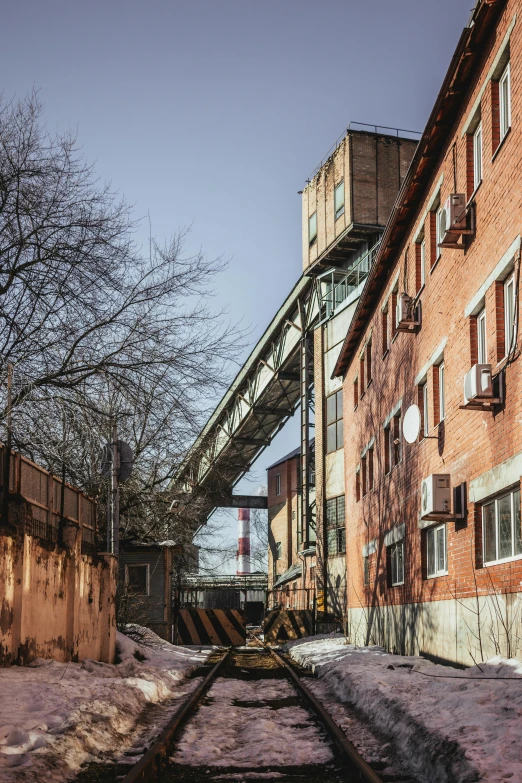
point(45, 497)
point(337, 285)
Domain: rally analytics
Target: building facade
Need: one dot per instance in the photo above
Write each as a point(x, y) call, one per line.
point(434, 540)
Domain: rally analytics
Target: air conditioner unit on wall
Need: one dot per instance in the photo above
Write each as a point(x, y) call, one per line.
point(408, 313)
point(478, 383)
point(436, 495)
point(455, 214)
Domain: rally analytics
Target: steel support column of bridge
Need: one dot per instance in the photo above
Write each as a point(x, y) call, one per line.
point(305, 382)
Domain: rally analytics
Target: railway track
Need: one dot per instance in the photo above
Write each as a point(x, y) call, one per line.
point(251, 718)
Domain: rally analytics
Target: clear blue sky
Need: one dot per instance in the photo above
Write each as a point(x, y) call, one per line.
point(211, 113)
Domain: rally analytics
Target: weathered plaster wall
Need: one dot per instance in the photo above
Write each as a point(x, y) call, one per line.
point(55, 602)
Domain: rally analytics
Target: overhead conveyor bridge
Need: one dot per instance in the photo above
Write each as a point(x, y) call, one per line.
point(264, 394)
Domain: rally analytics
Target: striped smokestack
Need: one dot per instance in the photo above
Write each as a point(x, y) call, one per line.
point(243, 541)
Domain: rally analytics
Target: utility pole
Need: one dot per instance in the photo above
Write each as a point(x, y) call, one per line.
point(7, 450)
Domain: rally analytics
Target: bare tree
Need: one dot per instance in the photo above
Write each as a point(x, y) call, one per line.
point(97, 328)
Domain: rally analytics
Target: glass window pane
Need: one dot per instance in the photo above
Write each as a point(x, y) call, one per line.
point(423, 262)
point(441, 392)
point(340, 434)
point(331, 438)
point(341, 539)
point(425, 405)
point(481, 335)
point(505, 531)
point(339, 199)
point(340, 509)
point(477, 156)
point(339, 397)
point(312, 227)
point(430, 544)
point(509, 306)
point(488, 532)
point(331, 410)
point(516, 523)
point(331, 512)
point(400, 561)
point(393, 565)
point(441, 549)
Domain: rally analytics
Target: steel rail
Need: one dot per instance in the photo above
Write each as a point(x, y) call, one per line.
point(358, 765)
point(152, 761)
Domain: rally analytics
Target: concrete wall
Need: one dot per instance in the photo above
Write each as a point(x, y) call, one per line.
point(463, 631)
point(55, 602)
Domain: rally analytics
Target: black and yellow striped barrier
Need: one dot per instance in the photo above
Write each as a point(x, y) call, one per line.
point(283, 625)
point(211, 626)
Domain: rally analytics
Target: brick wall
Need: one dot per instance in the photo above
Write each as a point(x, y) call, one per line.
point(466, 444)
point(283, 515)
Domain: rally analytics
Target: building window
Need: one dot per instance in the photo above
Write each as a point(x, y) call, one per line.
point(364, 476)
point(441, 230)
point(137, 579)
point(501, 531)
point(509, 313)
point(336, 541)
point(436, 551)
point(361, 373)
point(420, 265)
point(504, 97)
point(385, 344)
point(358, 483)
point(394, 440)
point(336, 531)
point(279, 550)
point(368, 362)
point(396, 560)
point(387, 451)
point(442, 394)
point(394, 313)
point(334, 422)
point(335, 511)
point(278, 483)
point(482, 350)
point(366, 570)
point(477, 157)
point(339, 200)
point(355, 393)
point(312, 228)
point(370, 469)
point(423, 406)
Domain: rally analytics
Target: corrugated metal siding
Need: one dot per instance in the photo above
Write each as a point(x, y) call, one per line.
point(156, 598)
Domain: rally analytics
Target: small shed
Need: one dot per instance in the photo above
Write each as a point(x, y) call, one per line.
point(146, 584)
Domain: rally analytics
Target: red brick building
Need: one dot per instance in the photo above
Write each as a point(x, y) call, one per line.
point(444, 580)
point(291, 564)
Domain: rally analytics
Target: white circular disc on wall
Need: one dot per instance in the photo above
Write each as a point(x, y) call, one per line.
point(411, 424)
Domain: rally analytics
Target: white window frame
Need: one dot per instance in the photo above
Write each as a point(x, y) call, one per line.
point(423, 262)
point(399, 577)
point(312, 228)
point(509, 312)
point(338, 210)
point(442, 395)
point(440, 569)
point(482, 343)
point(477, 156)
point(504, 99)
point(515, 493)
point(278, 484)
point(438, 233)
point(425, 410)
point(146, 566)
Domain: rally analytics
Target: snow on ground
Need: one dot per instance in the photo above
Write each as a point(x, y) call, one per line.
point(453, 725)
point(224, 734)
point(56, 716)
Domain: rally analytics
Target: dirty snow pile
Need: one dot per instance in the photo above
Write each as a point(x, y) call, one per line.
point(56, 716)
point(247, 724)
point(452, 725)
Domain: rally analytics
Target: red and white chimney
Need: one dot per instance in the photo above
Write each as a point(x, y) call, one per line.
point(243, 541)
